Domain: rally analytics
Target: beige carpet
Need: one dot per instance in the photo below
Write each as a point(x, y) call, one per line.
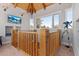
point(8, 50)
point(64, 51)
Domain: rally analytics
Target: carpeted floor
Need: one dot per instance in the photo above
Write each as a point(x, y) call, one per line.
point(64, 51)
point(8, 50)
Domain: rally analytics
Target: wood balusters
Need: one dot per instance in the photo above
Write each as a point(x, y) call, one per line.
point(28, 42)
point(49, 42)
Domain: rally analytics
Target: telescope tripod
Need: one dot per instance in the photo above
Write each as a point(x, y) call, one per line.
point(67, 33)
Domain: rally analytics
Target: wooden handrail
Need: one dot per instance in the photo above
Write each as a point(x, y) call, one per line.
point(28, 42)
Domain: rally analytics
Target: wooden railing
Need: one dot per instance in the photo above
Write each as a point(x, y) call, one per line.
point(54, 42)
point(28, 42)
point(15, 38)
point(49, 42)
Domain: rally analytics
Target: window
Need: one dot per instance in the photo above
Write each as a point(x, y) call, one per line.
point(56, 20)
point(68, 16)
point(31, 23)
point(46, 22)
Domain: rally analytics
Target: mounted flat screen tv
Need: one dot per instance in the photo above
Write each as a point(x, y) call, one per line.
point(14, 19)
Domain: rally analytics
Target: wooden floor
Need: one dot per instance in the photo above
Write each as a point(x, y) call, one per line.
point(8, 50)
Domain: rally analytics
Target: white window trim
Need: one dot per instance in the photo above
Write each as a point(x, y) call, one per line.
point(33, 24)
point(56, 13)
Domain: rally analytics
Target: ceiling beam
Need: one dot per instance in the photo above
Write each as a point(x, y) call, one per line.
point(15, 4)
point(44, 6)
point(28, 8)
point(31, 8)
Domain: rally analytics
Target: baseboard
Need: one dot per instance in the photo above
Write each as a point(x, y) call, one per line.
point(7, 42)
point(64, 43)
point(76, 53)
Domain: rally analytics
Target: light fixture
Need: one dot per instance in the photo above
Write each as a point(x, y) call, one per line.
point(59, 3)
point(5, 8)
point(22, 14)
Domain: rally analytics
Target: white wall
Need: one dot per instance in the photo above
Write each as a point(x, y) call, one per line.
point(54, 9)
point(76, 29)
point(12, 11)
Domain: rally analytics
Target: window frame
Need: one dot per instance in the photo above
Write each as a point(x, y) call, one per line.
point(33, 23)
point(58, 13)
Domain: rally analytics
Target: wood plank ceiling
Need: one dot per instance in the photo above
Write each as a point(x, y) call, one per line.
point(32, 7)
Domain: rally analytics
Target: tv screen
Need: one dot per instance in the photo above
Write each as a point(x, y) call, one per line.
point(14, 19)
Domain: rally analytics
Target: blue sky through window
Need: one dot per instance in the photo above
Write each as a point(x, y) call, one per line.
point(46, 21)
